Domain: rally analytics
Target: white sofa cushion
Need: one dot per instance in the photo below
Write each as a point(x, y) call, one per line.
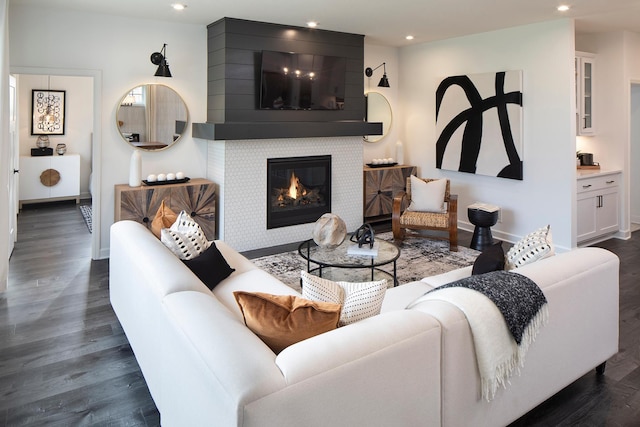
point(358, 300)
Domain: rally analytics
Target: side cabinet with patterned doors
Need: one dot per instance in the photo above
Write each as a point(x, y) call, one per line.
point(197, 197)
point(381, 184)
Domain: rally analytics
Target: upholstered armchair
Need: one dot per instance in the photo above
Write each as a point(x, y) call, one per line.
point(432, 208)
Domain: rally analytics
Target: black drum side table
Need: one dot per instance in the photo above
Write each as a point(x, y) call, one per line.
point(483, 221)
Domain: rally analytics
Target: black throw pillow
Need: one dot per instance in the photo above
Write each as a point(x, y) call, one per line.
point(210, 266)
point(491, 259)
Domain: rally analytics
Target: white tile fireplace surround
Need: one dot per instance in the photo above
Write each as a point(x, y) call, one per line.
point(240, 170)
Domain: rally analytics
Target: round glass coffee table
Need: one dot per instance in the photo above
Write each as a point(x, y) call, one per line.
point(338, 264)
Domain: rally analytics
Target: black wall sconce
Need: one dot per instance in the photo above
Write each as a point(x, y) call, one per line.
point(384, 82)
point(160, 59)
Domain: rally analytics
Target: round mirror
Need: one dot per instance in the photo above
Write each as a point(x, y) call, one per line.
point(378, 110)
point(152, 117)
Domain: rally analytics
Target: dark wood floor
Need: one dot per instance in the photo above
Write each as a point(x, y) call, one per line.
point(64, 359)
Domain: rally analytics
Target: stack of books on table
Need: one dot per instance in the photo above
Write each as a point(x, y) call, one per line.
point(484, 207)
point(363, 250)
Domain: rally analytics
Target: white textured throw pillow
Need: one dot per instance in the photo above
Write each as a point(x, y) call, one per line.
point(427, 196)
point(185, 237)
point(359, 300)
point(530, 248)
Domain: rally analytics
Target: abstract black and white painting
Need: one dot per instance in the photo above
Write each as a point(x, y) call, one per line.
point(479, 124)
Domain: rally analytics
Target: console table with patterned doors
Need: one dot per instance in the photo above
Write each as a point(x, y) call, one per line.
point(197, 197)
point(381, 184)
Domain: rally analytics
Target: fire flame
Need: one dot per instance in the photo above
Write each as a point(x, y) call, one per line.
point(293, 186)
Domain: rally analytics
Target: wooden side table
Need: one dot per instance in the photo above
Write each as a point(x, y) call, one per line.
point(483, 221)
point(197, 197)
point(381, 184)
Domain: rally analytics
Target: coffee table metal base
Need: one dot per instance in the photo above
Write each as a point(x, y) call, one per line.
point(337, 265)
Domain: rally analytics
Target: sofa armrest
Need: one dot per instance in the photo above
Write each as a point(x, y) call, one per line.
point(581, 287)
point(212, 363)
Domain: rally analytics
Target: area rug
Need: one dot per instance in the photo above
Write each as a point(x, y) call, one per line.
point(85, 210)
point(419, 258)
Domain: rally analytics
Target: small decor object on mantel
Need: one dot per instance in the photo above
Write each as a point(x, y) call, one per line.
point(329, 231)
point(61, 149)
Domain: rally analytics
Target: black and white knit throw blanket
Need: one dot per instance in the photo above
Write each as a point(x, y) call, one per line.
point(505, 311)
point(517, 297)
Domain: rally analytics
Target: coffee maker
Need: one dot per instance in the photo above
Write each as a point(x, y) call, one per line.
point(586, 159)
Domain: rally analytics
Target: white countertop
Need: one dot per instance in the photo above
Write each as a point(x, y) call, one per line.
point(588, 173)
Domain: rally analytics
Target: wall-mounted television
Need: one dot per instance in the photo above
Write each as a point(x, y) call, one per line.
point(300, 81)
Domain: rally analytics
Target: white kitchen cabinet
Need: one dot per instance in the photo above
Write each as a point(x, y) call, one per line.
point(32, 187)
point(598, 206)
point(585, 78)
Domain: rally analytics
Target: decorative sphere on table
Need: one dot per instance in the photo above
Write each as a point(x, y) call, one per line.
point(330, 230)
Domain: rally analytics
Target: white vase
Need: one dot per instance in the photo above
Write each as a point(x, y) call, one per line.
point(135, 169)
point(399, 153)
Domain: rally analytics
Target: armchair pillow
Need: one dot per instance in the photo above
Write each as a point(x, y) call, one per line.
point(283, 320)
point(358, 300)
point(427, 196)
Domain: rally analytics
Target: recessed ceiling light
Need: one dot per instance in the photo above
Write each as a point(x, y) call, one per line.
point(312, 24)
point(179, 6)
point(563, 8)
point(409, 37)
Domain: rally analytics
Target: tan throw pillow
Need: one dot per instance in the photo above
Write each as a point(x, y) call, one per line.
point(164, 218)
point(283, 320)
point(427, 196)
point(358, 300)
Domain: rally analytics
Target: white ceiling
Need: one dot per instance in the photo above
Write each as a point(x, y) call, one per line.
point(385, 23)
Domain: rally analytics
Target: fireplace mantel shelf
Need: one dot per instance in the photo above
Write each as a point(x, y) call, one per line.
point(275, 130)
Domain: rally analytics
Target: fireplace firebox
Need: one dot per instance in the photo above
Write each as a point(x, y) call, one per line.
point(298, 190)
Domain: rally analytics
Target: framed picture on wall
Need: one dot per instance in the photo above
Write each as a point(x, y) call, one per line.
point(479, 124)
point(47, 112)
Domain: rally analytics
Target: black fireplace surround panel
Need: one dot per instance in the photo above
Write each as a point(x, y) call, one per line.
point(235, 49)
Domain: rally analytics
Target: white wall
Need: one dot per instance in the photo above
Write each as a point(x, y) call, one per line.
point(634, 187)
point(78, 118)
point(5, 157)
point(118, 48)
point(544, 52)
point(616, 67)
point(375, 55)
point(609, 85)
point(632, 61)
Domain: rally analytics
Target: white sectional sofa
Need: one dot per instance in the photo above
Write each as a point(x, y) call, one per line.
point(414, 367)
